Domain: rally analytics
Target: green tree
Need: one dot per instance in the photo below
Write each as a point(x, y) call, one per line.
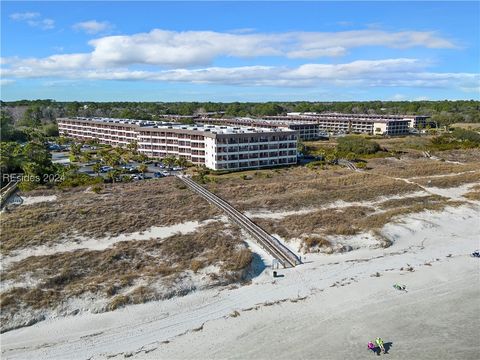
point(112, 159)
point(75, 151)
point(86, 156)
point(169, 161)
point(32, 117)
point(357, 145)
point(96, 168)
point(142, 168)
point(11, 157)
point(132, 147)
point(6, 125)
point(37, 163)
point(113, 175)
point(50, 130)
point(73, 109)
point(182, 162)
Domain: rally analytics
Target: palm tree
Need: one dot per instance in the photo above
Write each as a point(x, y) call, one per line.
point(169, 161)
point(142, 168)
point(86, 156)
point(96, 168)
point(132, 147)
point(113, 174)
point(182, 162)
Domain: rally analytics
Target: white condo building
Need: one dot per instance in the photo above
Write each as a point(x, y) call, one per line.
point(216, 147)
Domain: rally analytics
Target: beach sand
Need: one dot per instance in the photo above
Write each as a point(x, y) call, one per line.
point(327, 308)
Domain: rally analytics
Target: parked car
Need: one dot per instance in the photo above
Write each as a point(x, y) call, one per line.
point(158, 175)
point(139, 177)
point(130, 168)
point(177, 168)
point(54, 147)
point(105, 169)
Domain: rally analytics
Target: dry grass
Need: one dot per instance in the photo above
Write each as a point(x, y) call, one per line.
point(296, 188)
point(412, 201)
point(474, 193)
point(473, 126)
point(463, 156)
point(118, 209)
point(450, 181)
point(313, 242)
point(323, 222)
point(111, 273)
point(407, 168)
point(353, 219)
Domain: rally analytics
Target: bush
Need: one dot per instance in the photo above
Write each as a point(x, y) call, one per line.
point(96, 189)
point(311, 242)
point(466, 135)
point(357, 145)
point(79, 179)
point(196, 265)
point(314, 164)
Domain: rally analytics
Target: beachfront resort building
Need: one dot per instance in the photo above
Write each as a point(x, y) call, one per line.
point(305, 130)
point(387, 125)
point(215, 146)
point(312, 126)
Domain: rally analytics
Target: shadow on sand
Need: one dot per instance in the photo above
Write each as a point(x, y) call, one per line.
point(257, 266)
point(387, 346)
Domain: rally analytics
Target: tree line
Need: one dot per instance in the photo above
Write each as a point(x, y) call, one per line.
point(37, 112)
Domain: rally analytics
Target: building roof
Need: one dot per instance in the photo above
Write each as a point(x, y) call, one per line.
point(212, 129)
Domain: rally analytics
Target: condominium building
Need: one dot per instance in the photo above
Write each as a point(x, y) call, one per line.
point(305, 130)
point(216, 147)
point(312, 127)
point(356, 124)
point(415, 121)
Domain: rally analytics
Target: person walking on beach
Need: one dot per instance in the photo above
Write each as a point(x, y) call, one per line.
point(379, 343)
point(371, 346)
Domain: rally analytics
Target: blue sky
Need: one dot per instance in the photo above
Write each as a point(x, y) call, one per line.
point(232, 51)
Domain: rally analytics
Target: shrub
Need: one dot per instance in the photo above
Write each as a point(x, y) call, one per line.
point(311, 242)
point(314, 164)
point(96, 189)
point(466, 135)
point(117, 302)
point(196, 265)
point(357, 145)
point(80, 179)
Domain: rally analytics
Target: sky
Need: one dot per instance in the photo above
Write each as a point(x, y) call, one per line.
point(239, 51)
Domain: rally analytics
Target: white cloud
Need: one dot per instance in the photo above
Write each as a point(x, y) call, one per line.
point(402, 72)
point(5, 82)
point(200, 48)
point(24, 16)
point(34, 19)
point(92, 26)
point(398, 97)
point(317, 53)
point(187, 57)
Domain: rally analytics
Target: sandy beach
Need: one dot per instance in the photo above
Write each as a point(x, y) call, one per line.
point(328, 308)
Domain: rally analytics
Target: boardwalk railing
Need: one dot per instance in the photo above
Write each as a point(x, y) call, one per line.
point(7, 191)
point(268, 242)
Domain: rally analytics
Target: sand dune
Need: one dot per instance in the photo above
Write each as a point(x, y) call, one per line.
point(327, 308)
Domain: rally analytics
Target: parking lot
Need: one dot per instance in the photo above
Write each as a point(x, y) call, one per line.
point(155, 169)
